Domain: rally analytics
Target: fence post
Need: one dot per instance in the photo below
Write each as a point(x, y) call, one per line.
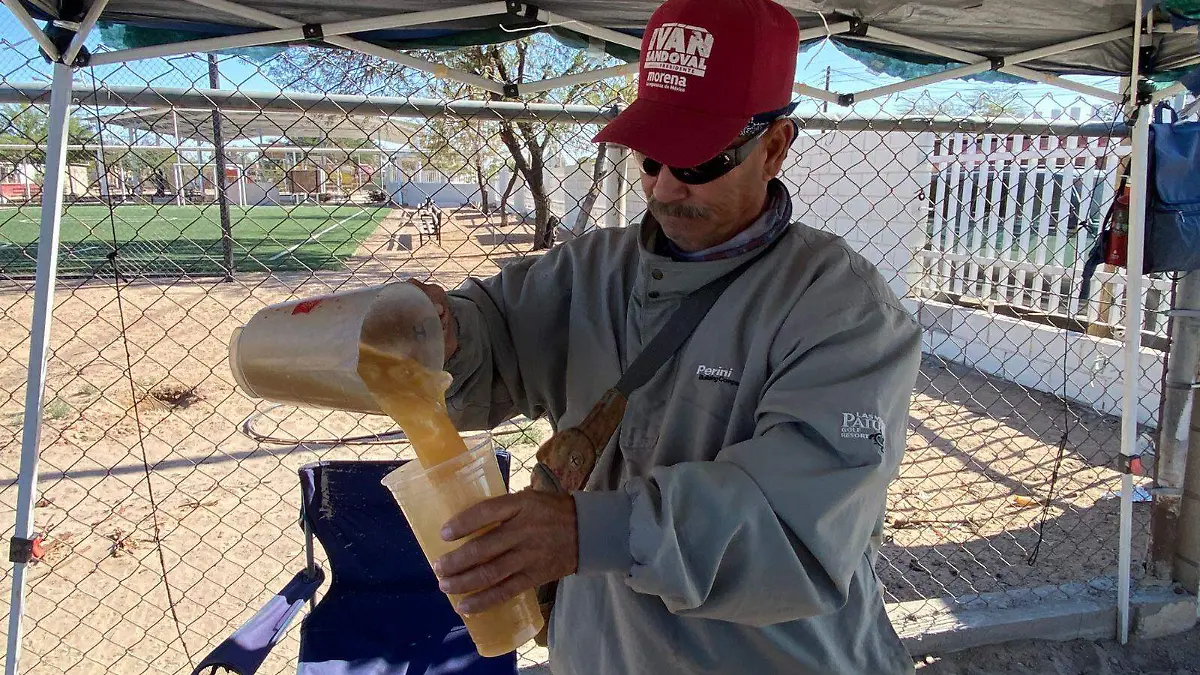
point(39, 345)
point(214, 81)
point(1132, 353)
point(1175, 422)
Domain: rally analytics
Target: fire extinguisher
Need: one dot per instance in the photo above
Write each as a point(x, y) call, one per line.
point(1118, 235)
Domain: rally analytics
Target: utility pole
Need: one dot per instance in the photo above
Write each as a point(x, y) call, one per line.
point(828, 80)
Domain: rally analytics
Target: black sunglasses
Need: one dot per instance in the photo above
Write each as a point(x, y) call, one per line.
point(725, 161)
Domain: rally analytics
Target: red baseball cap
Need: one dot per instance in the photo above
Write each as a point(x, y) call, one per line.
point(707, 68)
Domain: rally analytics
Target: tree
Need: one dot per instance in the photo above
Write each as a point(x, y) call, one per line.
point(29, 125)
point(523, 60)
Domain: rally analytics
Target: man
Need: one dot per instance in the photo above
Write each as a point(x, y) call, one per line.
point(731, 523)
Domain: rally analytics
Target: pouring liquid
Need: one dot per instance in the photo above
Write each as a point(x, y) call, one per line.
point(414, 396)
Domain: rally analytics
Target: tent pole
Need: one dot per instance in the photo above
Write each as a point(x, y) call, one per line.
point(924, 80)
point(437, 70)
point(85, 27)
point(33, 29)
point(1011, 66)
point(606, 34)
point(1138, 166)
point(356, 45)
point(1061, 83)
point(39, 346)
point(814, 92)
point(578, 78)
point(296, 33)
point(1132, 367)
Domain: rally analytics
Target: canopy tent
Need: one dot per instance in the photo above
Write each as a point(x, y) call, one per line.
point(1027, 39)
point(1039, 40)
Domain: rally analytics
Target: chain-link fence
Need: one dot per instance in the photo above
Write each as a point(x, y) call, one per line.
point(169, 499)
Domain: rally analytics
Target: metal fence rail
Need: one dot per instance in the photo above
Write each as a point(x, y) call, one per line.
point(169, 498)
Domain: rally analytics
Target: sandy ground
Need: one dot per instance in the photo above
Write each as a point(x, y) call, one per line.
point(1173, 655)
point(963, 513)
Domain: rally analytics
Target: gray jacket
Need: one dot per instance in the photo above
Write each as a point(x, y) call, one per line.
point(731, 525)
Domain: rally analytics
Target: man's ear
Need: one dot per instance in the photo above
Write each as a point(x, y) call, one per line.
point(776, 143)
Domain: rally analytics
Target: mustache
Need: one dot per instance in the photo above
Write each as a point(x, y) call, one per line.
point(676, 210)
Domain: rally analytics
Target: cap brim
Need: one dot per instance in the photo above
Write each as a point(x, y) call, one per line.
point(671, 135)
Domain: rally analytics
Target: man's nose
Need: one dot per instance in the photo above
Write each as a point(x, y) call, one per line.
point(668, 188)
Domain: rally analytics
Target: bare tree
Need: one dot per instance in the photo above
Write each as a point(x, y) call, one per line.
point(523, 60)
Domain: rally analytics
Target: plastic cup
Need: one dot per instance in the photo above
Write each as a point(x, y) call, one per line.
point(431, 497)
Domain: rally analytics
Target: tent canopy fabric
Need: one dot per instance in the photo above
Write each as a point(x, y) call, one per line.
point(990, 28)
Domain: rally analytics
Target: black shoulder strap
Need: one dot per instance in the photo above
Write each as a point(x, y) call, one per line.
point(678, 328)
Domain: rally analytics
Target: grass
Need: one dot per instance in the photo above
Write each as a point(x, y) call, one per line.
point(186, 240)
point(57, 409)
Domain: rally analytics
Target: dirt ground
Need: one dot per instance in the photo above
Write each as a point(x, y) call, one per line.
point(173, 482)
point(1173, 655)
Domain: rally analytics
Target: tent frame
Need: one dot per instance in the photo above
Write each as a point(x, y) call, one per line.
point(282, 30)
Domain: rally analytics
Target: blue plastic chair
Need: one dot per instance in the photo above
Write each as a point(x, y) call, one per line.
point(383, 613)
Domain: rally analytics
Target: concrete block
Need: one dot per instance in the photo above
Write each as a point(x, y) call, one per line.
point(1187, 574)
point(1188, 546)
point(1155, 620)
point(1069, 612)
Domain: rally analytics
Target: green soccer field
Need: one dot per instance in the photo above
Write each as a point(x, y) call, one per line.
point(186, 240)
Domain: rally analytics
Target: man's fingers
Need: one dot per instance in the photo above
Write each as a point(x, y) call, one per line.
point(484, 514)
point(509, 589)
point(436, 293)
point(485, 576)
point(476, 552)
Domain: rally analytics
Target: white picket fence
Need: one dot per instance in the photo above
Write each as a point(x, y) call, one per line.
point(1013, 218)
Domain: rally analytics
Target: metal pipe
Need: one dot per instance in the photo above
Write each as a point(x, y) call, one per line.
point(1069, 46)
point(359, 46)
point(1132, 352)
point(817, 93)
point(32, 28)
point(1063, 83)
point(1182, 62)
point(969, 57)
point(85, 27)
point(255, 39)
point(414, 108)
point(923, 45)
point(606, 34)
point(234, 9)
point(177, 173)
point(296, 33)
point(925, 80)
point(294, 102)
point(214, 81)
point(435, 69)
point(1138, 166)
point(408, 19)
point(833, 29)
point(39, 345)
point(579, 78)
point(1175, 420)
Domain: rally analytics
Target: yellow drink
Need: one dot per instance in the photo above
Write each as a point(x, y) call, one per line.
point(446, 480)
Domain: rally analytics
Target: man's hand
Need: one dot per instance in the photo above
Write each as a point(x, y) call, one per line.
point(533, 541)
point(437, 295)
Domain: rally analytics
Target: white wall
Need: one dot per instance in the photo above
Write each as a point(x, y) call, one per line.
point(412, 193)
point(866, 187)
point(1034, 356)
